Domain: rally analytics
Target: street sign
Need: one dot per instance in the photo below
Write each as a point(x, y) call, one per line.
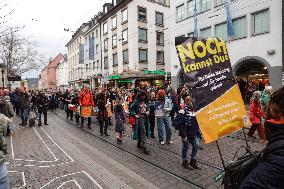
point(14, 78)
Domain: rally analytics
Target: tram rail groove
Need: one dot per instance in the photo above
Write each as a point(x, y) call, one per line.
point(134, 155)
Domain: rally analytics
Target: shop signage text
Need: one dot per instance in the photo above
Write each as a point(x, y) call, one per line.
point(114, 76)
point(155, 72)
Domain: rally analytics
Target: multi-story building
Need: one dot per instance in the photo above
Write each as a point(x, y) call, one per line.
point(62, 74)
point(92, 52)
point(134, 48)
point(256, 49)
point(75, 57)
point(48, 74)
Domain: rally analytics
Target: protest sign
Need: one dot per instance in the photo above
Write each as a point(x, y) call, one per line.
point(217, 100)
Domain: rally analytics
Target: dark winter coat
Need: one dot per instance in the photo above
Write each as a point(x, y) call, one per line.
point(269, 172)
point(190, 127)
point(42, 103)
point(102, 111)
point(24, 100)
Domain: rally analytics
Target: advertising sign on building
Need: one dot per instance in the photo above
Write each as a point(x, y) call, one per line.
point(217, 100)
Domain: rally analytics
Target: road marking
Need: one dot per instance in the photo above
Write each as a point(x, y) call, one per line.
point(23, 176)
point(77, 184)
point(12, 148)
point(92, 179)
point(28, 160)
point(57, 144)
point(56, 159)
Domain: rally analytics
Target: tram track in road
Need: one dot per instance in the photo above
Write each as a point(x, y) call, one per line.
point(184, 179)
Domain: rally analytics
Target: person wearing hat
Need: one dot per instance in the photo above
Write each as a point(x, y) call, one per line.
point(269, 172)
point(8, 111)
point(140, 110)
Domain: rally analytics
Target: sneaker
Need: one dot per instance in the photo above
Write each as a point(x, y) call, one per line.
point(185, 164)
point(46, 124)
point(39, 124)
point(171, 142)
point(106, 134)
point(139, 145)
point(194, 164)
point(153, 136)
point(162, 142)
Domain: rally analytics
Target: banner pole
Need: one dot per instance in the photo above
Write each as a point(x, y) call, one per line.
point(224, 166)
point(245, 138)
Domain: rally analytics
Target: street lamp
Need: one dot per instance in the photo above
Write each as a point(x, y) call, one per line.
point(2, 67)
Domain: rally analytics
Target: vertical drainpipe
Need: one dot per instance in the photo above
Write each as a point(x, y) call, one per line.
point(101, 46)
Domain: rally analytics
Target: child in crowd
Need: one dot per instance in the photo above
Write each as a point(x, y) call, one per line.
point(119, 119)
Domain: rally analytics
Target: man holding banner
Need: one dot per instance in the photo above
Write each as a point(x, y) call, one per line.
point(86, 102)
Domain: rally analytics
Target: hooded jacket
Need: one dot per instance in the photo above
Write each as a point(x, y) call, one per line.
point(269, 172)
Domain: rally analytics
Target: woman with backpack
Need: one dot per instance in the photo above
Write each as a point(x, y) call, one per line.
point(269, 172)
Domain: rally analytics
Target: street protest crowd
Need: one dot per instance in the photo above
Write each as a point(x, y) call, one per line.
point(149, 111)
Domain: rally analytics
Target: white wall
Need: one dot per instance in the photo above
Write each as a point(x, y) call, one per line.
point(238, 49)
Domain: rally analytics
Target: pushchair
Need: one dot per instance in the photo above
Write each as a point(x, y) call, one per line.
point(32, 117)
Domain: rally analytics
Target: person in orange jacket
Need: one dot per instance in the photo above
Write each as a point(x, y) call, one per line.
point(86, 99)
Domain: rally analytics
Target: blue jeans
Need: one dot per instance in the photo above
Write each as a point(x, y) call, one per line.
point(4, 177)
point(185, 147)
point(161, 123)
point(24, 115)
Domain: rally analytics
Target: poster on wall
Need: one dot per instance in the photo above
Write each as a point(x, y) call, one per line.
point(216, 96)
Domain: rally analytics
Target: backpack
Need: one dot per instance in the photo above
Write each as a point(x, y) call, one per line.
point(178, 121)
point(238, 170)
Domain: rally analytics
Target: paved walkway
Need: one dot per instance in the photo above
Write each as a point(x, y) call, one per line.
point(60, 155)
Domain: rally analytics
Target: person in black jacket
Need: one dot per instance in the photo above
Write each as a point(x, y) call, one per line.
point(269, 172)
point(102, 114)
point(42, 106)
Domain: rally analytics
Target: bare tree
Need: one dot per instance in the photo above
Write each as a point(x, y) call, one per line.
point(19, 54)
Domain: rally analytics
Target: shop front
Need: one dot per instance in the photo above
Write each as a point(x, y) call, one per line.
point(156, 78)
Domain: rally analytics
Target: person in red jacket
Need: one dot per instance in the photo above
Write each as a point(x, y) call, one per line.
point(86, 100)
point(256, 114)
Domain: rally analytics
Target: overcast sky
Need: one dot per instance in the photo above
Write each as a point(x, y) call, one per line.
point(45, 20)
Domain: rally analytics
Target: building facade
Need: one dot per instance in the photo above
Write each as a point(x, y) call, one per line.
point(255, 50)
point(75, 58)
point(92, 52)
point(134, 49)
point(48, 74)
point(62, 74)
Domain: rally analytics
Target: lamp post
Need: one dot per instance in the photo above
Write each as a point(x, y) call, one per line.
point(2, 67)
